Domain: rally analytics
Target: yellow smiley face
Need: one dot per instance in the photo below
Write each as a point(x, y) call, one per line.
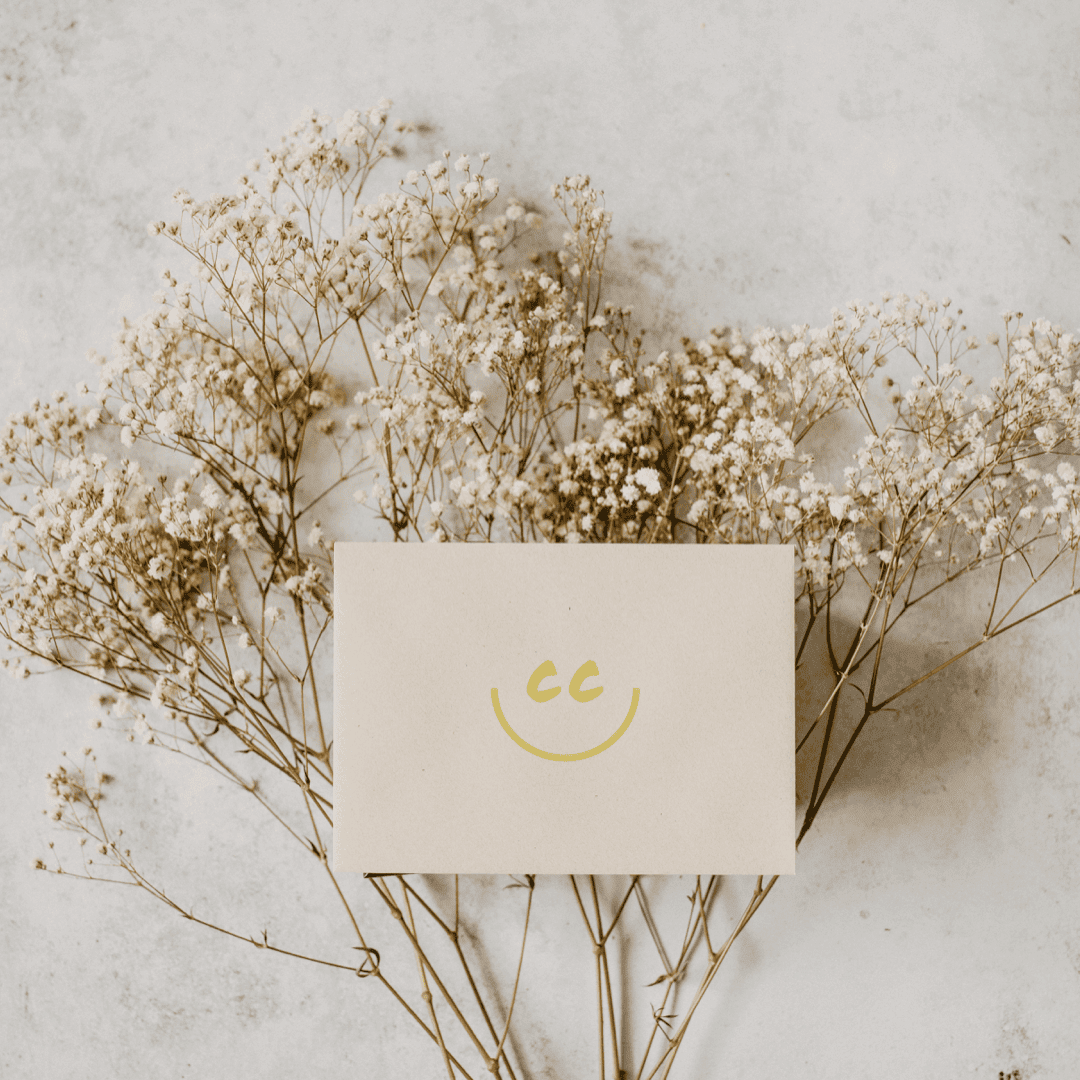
point(546, 670)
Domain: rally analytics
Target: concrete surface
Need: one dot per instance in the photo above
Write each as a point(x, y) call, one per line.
point(764, 162)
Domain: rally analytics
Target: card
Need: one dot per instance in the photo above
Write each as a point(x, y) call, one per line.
point(564, 708)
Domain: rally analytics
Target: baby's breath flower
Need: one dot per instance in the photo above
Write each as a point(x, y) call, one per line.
point(156, 584)
point(649, 479)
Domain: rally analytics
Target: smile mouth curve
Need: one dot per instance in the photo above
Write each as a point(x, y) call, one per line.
point(609, 742)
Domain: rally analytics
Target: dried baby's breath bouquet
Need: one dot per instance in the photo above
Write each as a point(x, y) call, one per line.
point(421, 366)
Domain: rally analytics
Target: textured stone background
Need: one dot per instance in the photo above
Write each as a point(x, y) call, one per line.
point(764, 161)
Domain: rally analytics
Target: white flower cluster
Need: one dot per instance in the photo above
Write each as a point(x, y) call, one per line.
point(492, 395)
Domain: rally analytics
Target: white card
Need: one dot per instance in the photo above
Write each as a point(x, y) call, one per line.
point(469, 736)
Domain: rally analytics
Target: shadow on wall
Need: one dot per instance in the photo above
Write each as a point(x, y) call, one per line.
point(939, 731)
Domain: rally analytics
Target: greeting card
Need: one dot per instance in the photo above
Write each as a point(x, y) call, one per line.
point(562, 708)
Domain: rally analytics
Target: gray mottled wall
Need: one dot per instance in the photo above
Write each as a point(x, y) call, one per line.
point(764, 162)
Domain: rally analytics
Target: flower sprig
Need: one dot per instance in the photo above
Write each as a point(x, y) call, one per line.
point(170, 534)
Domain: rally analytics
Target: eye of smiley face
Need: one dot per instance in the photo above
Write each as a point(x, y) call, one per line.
point(546, 670)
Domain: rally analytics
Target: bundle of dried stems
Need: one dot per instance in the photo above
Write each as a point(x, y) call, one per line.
point(164, 533)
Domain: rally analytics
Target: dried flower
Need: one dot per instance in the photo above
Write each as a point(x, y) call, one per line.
point(504, 400)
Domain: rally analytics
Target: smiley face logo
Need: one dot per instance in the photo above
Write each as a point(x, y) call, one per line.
point(546, 670)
